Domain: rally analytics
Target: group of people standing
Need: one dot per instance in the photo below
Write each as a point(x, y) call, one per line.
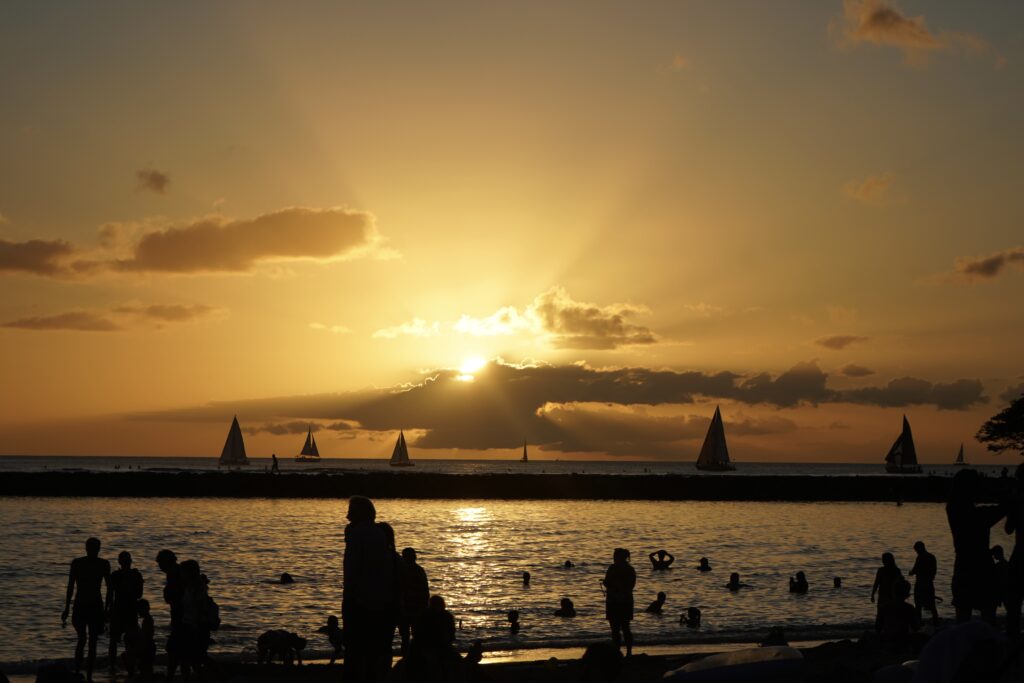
point(126, 614)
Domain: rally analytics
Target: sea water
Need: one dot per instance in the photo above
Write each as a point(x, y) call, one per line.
point(474, 553)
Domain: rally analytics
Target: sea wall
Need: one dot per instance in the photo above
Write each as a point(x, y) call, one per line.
point(493, 486)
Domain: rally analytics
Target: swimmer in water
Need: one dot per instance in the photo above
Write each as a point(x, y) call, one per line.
point(567, 609)
point(656, 606)
point(734, 582)
point(704, 565)
point(661, 560)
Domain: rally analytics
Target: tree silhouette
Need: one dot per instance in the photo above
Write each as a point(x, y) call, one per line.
point(1005, 431)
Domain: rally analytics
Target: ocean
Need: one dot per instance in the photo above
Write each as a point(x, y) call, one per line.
point(474, 553)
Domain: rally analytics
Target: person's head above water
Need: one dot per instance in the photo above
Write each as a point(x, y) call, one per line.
point(661, 596)
point(568, 564)
point(360, 509)
point(801, 577)
point(513, 615)
point(704, 563)
point(734, 578)
point(566, 603)
point(332, 621)
point(165, 559)
point(620, 555)
point(837, 582)
point(286, 578)
point(526, 578)
point(888, 560)
point(92, 547)
point(124, 558)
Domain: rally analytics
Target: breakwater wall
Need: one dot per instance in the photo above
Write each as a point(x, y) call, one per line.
point(242, 484)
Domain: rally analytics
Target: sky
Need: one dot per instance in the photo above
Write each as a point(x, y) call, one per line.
point(580, 224)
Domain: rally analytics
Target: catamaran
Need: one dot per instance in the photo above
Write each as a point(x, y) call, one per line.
point(714, 454)
point(902, 457)
point(959, 462)
point(524, 458)
point(234, 447)
point(309, 450)
point(400, 456)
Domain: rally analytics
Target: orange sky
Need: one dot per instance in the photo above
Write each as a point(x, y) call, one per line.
point(808, 213)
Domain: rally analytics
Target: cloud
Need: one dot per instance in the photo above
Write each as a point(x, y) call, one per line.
point(971, 270)
point(213, 244)
point(836, 342)
point(152, 180)
point(853, 370)
point(333, 329)
point(116, 319)
point(553, 315)
point(38, 257)
point(877, 23)
point(574, 407)
point(875, 190)
point(1012, 393)
point(905, 391)
point(80, 321)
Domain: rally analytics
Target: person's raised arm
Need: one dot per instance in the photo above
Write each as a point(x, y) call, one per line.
point(670, 558)
point(651, 557)
point(68, 596)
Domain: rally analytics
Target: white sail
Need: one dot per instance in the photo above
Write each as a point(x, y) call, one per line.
point(714, 454)
point(234, 447)
point(400, 456)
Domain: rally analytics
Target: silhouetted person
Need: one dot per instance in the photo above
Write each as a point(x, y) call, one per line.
point(656, 606)
point(973, 571)
point(704, 565)
point(369, 595)
point(837, 582)
point(432, 655)
point(1015, 582)
point(195, 625)
point(125, 591)
point(415, 595)
point(798, 584)
point(924, 569)
point(513, 621)
point(1002, 574)
point(84, 580)
point(143, 649)
point(661, 560)
point(690, 618)
point(275, 468)
point(167, 561)
point(734, 582)
point(898, 619)
point(619, 581)
point(568, 564)
point(334, 635)
point(883, 591)
point(566, 608)
point(526, 579)
point(286, 579)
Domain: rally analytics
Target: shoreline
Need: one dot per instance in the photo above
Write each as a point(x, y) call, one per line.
point(431, 485)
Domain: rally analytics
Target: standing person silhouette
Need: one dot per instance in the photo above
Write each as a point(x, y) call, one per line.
point(973, 570)
point(885, 586)
point(1015, 575)
point(415, 595)
point(275, 468)
point(167, 561)
point(369, 597)
point(122, 598)
point(84, 579)
point(924, 569)
point(619, 581)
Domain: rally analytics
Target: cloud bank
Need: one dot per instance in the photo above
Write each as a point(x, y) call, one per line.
point(116, 319)
point(980, 269)
point(837, 342)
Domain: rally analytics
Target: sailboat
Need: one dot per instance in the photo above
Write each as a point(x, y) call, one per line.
point(902, 457)
point(524, 458)
point(959, 462)
point(309, 450)
point(234, 447)
point(714, 454)
point(400, 456)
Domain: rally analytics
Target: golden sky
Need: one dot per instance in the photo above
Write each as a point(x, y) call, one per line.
point(583, 224)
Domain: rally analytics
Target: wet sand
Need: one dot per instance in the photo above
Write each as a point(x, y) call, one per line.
point(426, 485)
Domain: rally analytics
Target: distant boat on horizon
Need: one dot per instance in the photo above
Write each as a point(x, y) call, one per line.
point(309, 453)
point(525, 458)
point(234, 447)
point(714, 454)
point(400, 456)
point(959, 462)
point(902, 457)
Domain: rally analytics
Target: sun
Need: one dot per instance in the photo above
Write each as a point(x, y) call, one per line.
point(470, 366)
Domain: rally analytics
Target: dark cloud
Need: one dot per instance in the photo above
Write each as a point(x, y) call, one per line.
point(907, 391)
point(39, 257)
point(549, 404)
point(839, 341)
point(877, 23)
point(217, 244)
point(299, 427)
point(970, 270)
point(81, 321)
point(854, 370)
point(152, 180)
point(168, 313)
point(1012, 393)
point(577, 325)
